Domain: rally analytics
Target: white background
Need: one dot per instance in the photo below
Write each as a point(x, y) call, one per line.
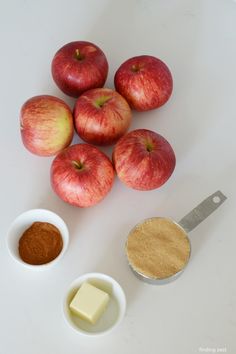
point(197, 39)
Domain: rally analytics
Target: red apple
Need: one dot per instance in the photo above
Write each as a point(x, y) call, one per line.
point(46, 125)
point(78, 67)
point(145, 82)
point(143, 159)
point(82, 175)
point(101, 116)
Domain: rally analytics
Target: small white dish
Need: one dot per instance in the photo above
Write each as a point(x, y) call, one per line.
point(113, 314)
point(24, 221)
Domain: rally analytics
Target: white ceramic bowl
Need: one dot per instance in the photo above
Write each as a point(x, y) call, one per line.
point(113, 314)
point(24, 221)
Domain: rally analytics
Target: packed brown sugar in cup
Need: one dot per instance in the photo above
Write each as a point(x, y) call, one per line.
point(158, 248)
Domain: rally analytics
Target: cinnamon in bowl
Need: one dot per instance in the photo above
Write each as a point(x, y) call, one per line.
point(23, 243)
point(41, 243)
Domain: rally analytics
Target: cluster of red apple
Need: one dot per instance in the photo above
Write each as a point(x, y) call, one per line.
point(81, 174)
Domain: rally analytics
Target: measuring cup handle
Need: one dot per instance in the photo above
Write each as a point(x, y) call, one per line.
point(202, 211)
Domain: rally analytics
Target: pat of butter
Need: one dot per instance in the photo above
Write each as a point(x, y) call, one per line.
point(89, 302)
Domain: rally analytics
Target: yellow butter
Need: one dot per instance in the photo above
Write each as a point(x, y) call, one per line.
point(89, 302)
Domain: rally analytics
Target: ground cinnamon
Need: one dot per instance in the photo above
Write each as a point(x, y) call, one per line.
point(40, 243)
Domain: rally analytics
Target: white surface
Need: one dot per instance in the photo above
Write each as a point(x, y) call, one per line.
point(113, 314)
point(197, 39)
point(23, 222)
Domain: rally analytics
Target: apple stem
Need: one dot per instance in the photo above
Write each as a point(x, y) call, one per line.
point(99, 103)
point(78, 55)
point(135, 68)
point(149, 147)
point(77, 164)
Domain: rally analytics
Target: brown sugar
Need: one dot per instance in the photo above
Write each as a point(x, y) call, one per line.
point(40, 243)
point(158, 248)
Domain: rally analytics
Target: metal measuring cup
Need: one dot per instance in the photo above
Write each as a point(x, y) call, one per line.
point(186, 224)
